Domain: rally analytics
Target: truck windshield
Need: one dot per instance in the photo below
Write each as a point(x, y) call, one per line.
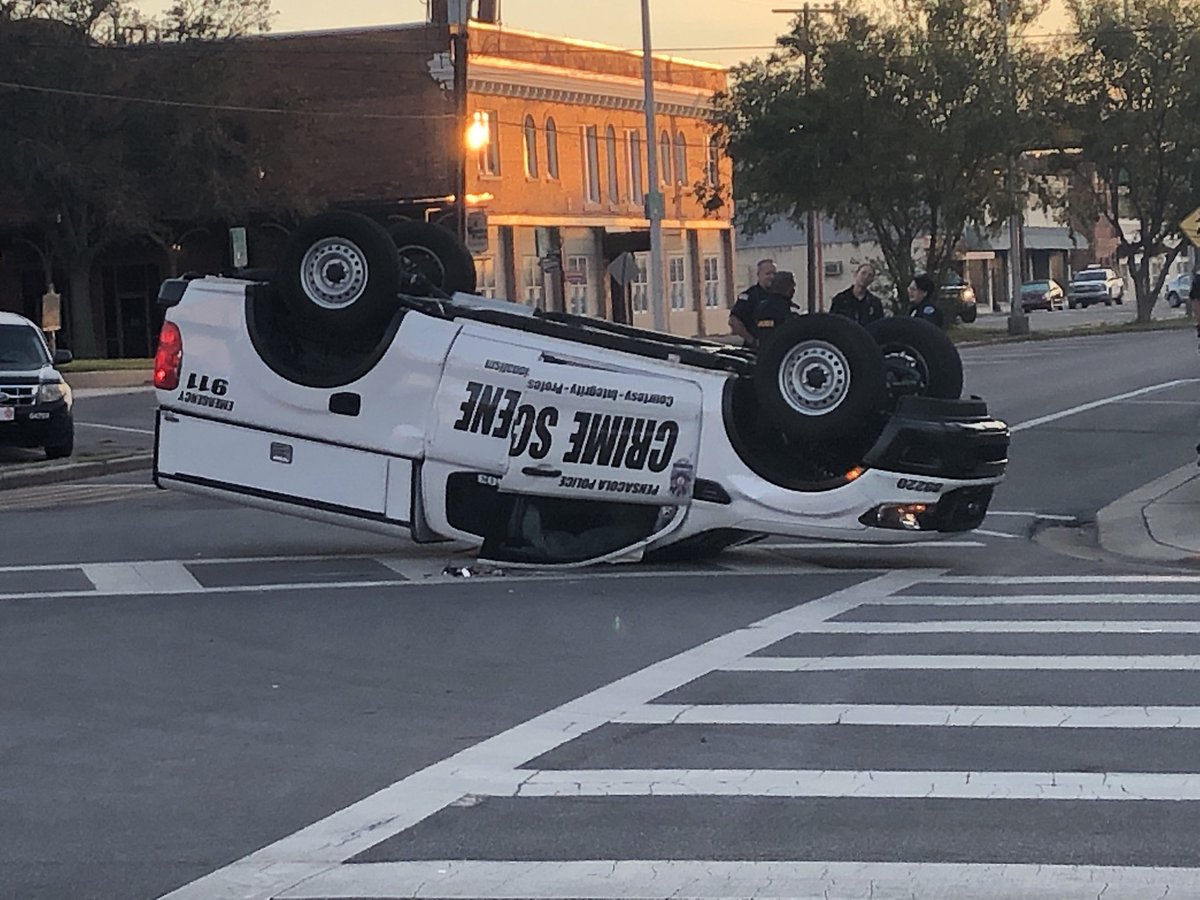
point(20, 348)
point(1097, 275)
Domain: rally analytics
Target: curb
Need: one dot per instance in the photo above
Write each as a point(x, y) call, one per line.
point(114, 378)
point(1123, 529)
point(39, 474)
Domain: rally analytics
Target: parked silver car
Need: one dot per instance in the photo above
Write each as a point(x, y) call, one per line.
point(1178, 289)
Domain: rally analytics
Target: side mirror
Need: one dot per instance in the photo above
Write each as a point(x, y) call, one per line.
point(62, 357)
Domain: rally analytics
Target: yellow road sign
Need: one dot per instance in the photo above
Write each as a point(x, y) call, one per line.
point(1190, 226)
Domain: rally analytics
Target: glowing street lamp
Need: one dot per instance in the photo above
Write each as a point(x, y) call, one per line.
point(478, 132)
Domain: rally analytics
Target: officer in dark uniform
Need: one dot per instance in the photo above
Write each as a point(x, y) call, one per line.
point(776, 306)
point(741, 317)
point(857, 302)
point(922, 301)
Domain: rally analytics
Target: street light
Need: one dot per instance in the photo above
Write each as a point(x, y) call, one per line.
point(458, 13)
point(478, 132)
point(655, 206)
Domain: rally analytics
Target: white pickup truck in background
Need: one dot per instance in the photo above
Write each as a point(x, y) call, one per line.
point(1095, 285)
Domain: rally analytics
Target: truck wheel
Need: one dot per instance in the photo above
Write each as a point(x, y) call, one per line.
point(819, 376)
point(918, 358)
point(340, 273)
point(437, 254)
point(968, 314)
point(62, 450)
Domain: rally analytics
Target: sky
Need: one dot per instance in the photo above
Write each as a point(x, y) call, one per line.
point(688, 28)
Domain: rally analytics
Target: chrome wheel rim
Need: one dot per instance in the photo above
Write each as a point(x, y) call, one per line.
point(814, 378)
point(425, 261)
point(333, 273)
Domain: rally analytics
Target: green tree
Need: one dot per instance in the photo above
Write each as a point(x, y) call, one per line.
point(108, 141)
point(1130, 91)
point(902, 136)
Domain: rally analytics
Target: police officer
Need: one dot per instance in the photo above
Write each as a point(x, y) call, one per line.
point(922, 301)
point(857, 302)
point(776, 306)
point(741, 317)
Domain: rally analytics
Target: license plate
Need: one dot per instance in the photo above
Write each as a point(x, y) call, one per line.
point(7, 413)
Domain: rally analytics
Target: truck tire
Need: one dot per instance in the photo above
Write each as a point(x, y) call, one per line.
point(968, 314)
point(61, 450)
point(340, 274)
point(919, 359)
point(435, 253)
point(819, 377)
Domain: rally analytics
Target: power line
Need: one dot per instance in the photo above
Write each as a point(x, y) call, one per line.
point(214, 107)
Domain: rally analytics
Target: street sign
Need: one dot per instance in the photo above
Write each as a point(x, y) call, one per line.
point(1190, 226)
point(624, 269)
point(51, 310)
point(477, 230)
point(237, 243)
point(655, 205)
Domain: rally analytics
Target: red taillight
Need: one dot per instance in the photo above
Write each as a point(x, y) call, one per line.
point(168, 360)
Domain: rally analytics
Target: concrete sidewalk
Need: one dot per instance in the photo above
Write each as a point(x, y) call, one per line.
point(1159, 522)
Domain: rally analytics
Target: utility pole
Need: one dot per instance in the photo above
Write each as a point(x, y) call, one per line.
point(812, 218)
point(1018, 322)
point(655, 204)
point(459, 13)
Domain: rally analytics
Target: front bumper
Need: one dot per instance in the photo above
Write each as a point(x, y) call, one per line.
point(38, 425)
point(931, 438)
point(939, 440)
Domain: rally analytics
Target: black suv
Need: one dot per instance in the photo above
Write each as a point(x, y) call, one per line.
point(35, 401)
point(957, 299)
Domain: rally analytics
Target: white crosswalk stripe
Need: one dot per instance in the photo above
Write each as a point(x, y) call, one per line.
point(315, 862)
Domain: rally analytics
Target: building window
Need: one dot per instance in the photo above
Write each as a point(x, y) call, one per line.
point(485, 276)
point(591, 163)
point(637, 191)
point(610, 148)
point(531, 148)
point(664, 159)
point(712, 281)
point(677, 282)
point(639, 287)
point(489, 153)
point(576, 276)
point(551, 149)
point(533, 287)
point(680, 159)
point(712, 170)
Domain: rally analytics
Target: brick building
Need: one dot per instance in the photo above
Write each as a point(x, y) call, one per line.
point(562, 178)
point(567, 156)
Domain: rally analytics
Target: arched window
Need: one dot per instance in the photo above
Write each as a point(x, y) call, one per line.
point(637, 190)
point(610, 150)
point(551, 149)
point(664, 158)
point(712, 171)
point(681, 175)
point(531, 148)
point(591, 163)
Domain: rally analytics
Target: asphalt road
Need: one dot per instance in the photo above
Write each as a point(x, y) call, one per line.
point(258, 706)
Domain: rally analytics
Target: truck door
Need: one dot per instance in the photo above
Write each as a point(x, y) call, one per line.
point(562, 460)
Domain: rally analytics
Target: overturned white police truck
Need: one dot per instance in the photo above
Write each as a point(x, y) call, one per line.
point(362, 383)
